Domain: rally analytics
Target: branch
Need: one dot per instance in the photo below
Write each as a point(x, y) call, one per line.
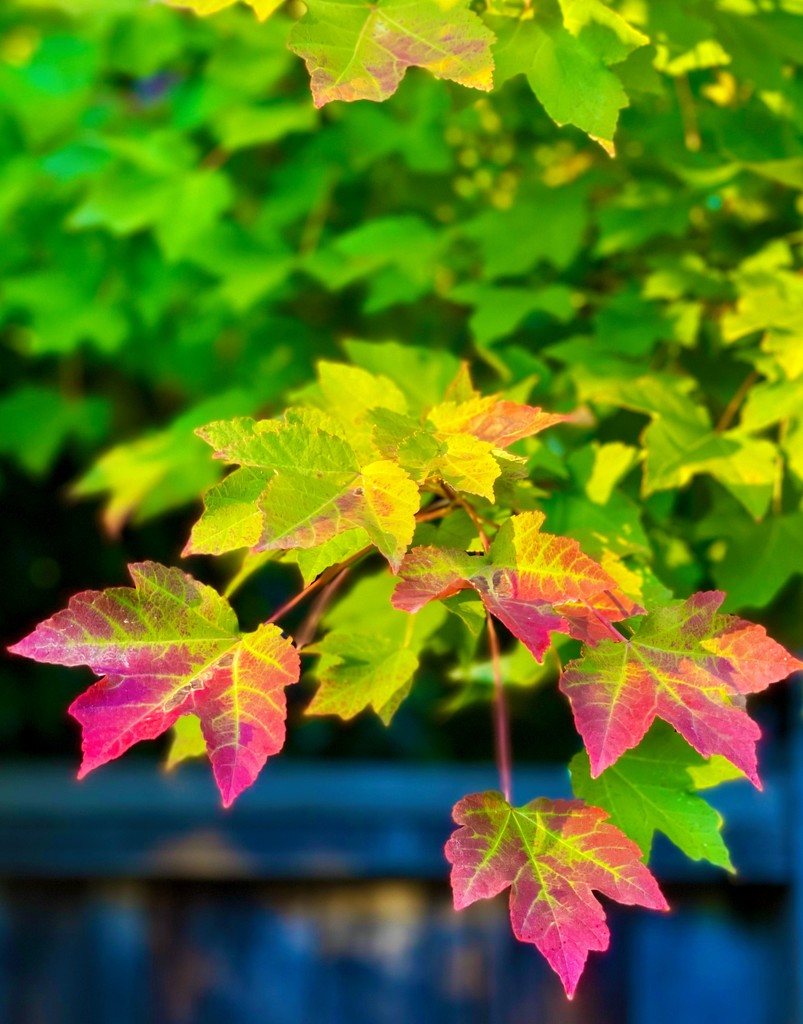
point(732, 407)
point(456, 499)
point(326, 577)
point(307, 629)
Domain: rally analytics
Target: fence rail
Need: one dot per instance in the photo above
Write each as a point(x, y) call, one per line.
point(132, 897)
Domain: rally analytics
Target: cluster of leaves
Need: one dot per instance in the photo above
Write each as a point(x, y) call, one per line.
point(363, 466)
point(183, 215)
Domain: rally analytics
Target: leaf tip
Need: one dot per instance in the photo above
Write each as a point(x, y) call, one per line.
point(607, 144)
point(18, 648)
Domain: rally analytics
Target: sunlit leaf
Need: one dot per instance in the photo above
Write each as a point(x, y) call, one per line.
point(360, 51)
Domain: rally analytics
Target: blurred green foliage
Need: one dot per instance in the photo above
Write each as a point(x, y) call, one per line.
point(185, 236)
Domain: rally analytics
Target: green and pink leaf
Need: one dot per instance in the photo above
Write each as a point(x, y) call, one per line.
point(552, 854)
point(167, 647)
point(686, 664)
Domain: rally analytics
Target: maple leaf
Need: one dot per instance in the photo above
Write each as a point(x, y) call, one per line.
point(460, 441)
point(552, 854)
point(459, 459)
point(528, 580)
point(653, 789)
point(349, 395)
point(168, 647)
point(356, 50)
point(357, 670)
point(313, 561)
point(566, 51)
point(299, 486)
point(361, 668)
point(686, 664)
point(489, 418)
point(591, 620)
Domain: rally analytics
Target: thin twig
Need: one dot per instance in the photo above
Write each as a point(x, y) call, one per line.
point(688, 114)
point(780, 467)
point(732, 407)
point(326, 577)
point(471, 513)
point(306, 632)
point(437, 513)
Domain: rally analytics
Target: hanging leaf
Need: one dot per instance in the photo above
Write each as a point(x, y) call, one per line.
point(686, 664)
point(355, 50)
point(552, 854)
point(652, 789)
point(362, 668)
point(188, 741)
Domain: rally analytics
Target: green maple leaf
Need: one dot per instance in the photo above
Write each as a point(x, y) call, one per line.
point(356, 50)
point(349, 394)
point(35, 423)
point(652, 789)
point(566, 51)
point(681, 442)
point(188, 741)
point(160, 470)
point(750, 581)
point(301, 487)
point(361, 668)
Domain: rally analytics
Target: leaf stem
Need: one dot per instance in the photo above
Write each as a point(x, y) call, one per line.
point(316, 221)
point(306, 632)
point(251, 563)
point(618, 603)
point(501, 717)
point(326, 577)
point(436, 513)
point(216, 157)
point(615, 633)
point(471, 513)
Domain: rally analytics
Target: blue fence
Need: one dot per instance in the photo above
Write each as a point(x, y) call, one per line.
point(322, 897)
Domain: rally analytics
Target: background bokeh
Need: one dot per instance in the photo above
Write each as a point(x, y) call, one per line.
point(185, 236)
